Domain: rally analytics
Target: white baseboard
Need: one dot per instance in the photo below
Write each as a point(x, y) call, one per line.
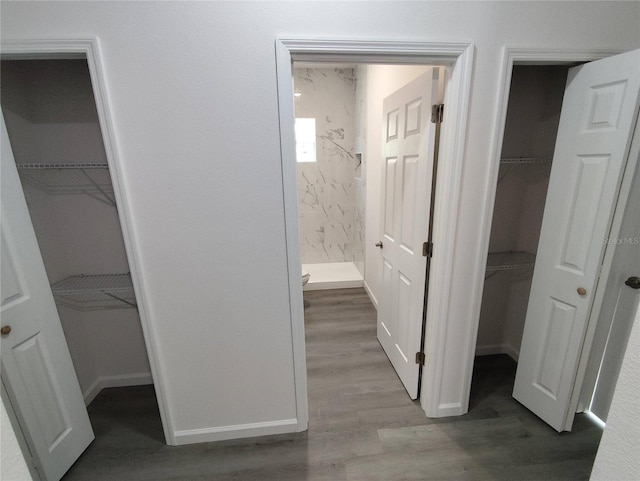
point(102, 382)
point(512, 352)
point(489, 349)
point(505, 348)
point(450, 409)
point(238, 431)
point(371, 296)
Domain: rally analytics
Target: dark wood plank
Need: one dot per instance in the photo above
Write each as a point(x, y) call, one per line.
point(363, 426)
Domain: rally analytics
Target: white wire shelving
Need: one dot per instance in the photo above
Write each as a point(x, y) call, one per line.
point(526, 160)
point(91, 179)
point(508, 261)
point(93, 292)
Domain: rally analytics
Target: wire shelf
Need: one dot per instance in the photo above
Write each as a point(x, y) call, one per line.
point(505, 261)
point(526, 160)
point(91, 179)
point(92, 292)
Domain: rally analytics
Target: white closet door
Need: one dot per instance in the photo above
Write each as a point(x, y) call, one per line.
point(408, 139)
point(620, 304)
point(598, 117)
point(36, 364)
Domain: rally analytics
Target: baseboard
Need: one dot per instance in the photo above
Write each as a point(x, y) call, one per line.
point(319, 286)
point(512, 352)
point(102, 382)
point(489, 349)
point(505, 348)
point(238, 431)
point(450, 409)
point(371, 296)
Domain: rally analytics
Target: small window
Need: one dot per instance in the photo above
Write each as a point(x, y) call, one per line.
point(306, 140)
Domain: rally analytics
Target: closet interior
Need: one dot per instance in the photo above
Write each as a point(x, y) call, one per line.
point(533, 114)
point(52, 121)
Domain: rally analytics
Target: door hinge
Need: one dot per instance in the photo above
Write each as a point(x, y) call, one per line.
point(420, 358)
point(427, 249)
point(437, 113)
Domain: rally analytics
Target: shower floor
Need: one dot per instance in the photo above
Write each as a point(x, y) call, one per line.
point(333, 275)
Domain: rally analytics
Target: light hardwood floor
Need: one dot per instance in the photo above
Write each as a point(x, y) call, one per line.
point(362, 424)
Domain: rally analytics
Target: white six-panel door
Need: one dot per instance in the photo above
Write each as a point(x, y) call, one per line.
point(408, 142)
point(36, 364)
point(596, 125)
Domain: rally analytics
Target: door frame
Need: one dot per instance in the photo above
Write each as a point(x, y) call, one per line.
point(459, 58)
point(89, 48)
point(532, 56)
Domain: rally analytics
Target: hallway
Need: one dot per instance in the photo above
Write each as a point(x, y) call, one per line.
point(362, 425)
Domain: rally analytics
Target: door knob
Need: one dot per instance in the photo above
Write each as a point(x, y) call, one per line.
point(582, 291)
point(633, 282)
point(5, 330)
point(379, 244)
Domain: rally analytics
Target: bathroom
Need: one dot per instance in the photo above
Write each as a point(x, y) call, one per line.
point(338, 110)
point(331, 188)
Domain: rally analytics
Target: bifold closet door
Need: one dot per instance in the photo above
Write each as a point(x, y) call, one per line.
point(36, 365)
point(598, 116)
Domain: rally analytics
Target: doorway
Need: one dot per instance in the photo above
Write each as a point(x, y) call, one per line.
point(592, 147)
point(55, 123)
point(531, 127)
point(374, 160)
point(459, 57)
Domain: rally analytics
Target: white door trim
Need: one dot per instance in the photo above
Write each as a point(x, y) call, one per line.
point(459, 56)
point(89, 48)
point(511, 55)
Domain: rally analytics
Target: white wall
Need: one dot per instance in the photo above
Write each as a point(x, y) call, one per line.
point(193, 93)
point(617, 456)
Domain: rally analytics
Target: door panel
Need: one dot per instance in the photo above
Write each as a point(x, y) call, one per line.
point(36, 365)
point(619, 306)
point(598, 116)
point(408, 160)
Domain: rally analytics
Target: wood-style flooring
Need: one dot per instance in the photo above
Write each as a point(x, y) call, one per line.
point(362, 426)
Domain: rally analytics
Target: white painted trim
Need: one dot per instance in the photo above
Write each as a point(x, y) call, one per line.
point(103, 382)
point(459, 56)
point(286, 111)
point(450, 409)
point(490, 349)
point(512, 352)
point(374, 299)
point(511, 55)
point(238, 431)
point(90, 48)
point(446, 213)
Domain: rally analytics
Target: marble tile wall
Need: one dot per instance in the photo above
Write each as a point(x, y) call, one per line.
point(361, 160)
point(327, 188)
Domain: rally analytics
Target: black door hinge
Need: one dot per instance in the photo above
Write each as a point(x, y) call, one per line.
point(420, 358)
point(437, 113)
point(427, 249)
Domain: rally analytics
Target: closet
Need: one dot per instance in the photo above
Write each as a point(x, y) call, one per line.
point(533, 113)
point(53, 126)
